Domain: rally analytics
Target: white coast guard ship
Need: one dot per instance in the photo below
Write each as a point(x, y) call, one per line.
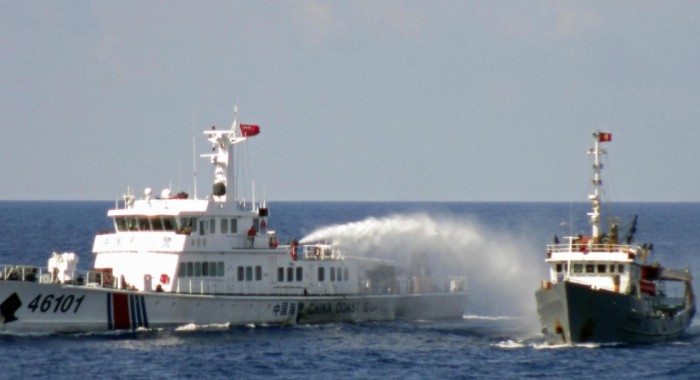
point(601, 288)
point(173, 261)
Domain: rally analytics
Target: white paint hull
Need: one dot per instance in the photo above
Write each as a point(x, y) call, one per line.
point(35, 307)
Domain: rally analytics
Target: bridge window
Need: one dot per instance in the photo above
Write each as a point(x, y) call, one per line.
point(578, 268)
point(224, 226)
point(151, 223)
point(290, 274)
point(321, 274)
point(120, 223)
point(332, 269)
point(300, 274)
point(212, 226)
point(601, 268)
point(188, 224)
point(132, 224)
point(241, 273)
point(169, 223)
point(620, 268)
point(280, 274)
point(249, 273)
point(258, 273)
point(201, 269)
point(590, 268)
point(346, 274)
point(234, 225)
point(156, 223)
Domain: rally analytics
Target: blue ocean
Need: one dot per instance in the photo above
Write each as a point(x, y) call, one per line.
point(499, 247)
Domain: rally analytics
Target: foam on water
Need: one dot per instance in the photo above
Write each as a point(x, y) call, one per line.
point(510, 344)
point(25, 334)
point(488, 317)
point(209, 327)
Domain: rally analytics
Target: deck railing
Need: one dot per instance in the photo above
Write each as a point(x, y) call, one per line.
point(101, 279)
point(584, 247)
point(46, 276)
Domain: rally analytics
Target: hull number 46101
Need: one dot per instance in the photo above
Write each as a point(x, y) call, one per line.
point(51, 303)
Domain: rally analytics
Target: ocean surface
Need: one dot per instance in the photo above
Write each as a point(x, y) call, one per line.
point(499, 247)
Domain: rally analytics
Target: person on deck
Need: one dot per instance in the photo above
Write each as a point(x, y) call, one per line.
point(251, 236)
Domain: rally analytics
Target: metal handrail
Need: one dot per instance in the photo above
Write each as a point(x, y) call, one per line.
point(599, 247)
point(43, 275)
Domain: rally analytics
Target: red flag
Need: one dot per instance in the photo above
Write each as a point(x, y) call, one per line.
point(249, 130)
point(604, 137)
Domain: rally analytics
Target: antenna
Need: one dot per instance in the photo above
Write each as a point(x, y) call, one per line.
point(253, 202)
point(264, 204)
point(194, 161)
point(232, 169)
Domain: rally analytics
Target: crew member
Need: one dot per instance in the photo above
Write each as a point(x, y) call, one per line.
point(251, 236)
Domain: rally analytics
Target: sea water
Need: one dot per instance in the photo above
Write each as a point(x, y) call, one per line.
point(499, 247)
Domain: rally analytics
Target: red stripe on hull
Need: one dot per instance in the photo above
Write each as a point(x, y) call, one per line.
point(122, 320)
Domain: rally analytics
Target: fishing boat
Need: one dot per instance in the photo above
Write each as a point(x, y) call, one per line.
point(172, 260)
point(603, 288)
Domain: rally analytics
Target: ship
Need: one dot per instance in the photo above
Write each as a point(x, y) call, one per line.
point(172, 260)
point(604, 288)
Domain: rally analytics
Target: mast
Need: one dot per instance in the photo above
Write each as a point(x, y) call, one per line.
point(597, 151)
point(222, 159)
point(194, 166)
point(230, 172)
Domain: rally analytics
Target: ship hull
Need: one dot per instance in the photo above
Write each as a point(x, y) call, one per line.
point(34, 307)
point(576, 313)
point(431, 306)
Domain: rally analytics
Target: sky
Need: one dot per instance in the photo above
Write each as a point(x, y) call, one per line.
point(356, 100)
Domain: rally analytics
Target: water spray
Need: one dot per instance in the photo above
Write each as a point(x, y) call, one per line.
point(502, 269)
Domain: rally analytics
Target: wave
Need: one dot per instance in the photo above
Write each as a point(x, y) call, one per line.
point(545, 346)
point(510, 344)
point(209, 327)
point(26, 334)
point(34, 334)
point(539, 344)
point(489, 317)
